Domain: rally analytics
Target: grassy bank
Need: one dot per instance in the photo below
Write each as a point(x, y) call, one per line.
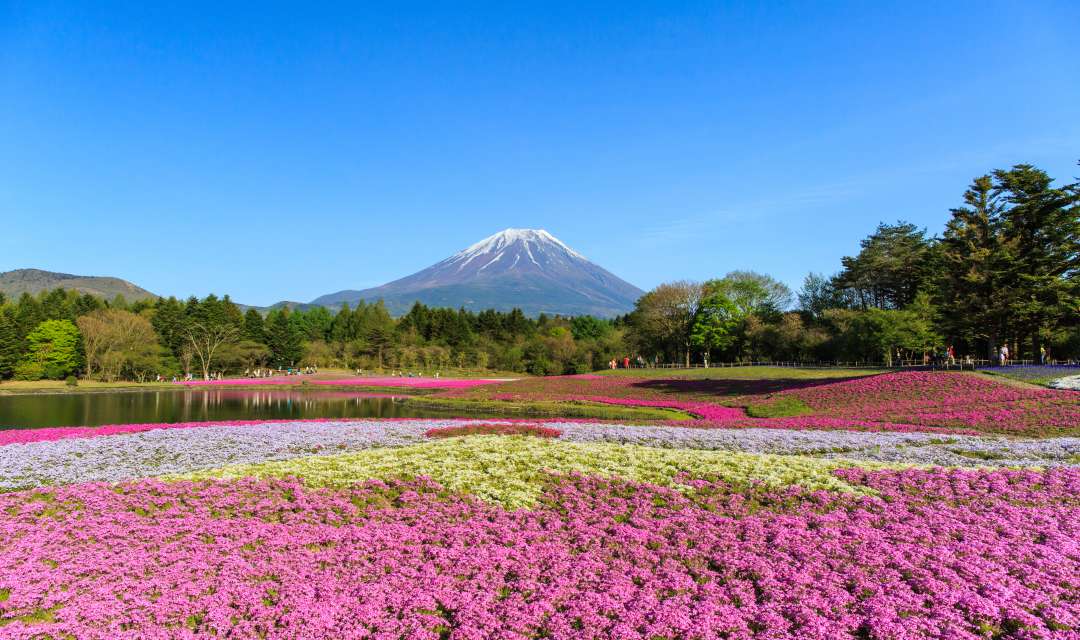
point(18, 387)
point(545, 409)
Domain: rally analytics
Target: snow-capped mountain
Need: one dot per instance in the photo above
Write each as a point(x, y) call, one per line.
point(525, 268)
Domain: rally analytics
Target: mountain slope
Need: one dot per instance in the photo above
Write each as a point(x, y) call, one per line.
point(32, 281)
point(525, 268)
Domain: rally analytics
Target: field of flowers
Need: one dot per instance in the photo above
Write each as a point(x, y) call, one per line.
point(1035, 374)
point(904, 401)
point(886, 507)
point(962, 401)
point(602, 545)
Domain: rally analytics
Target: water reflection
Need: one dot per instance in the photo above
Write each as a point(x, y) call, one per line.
point(91, 409)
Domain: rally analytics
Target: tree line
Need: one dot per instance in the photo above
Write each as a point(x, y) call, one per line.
point(61, 333)
point(1004, 272)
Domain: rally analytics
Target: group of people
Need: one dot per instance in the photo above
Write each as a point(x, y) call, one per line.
point(410, 374)
point(1004, 357)
point(947, 356)
point(260, 372)
point(615, 363)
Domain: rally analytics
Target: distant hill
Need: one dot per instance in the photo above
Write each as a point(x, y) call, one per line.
point(525, 268)
point(33, 281)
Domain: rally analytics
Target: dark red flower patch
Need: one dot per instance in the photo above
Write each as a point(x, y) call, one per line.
point(489, 429)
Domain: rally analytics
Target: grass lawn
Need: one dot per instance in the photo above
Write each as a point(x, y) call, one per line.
point(18, 387)
point(59, 386)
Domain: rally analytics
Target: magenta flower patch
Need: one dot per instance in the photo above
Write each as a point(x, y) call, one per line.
point(937, 554)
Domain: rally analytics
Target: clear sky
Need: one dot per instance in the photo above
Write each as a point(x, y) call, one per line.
point(284, 151)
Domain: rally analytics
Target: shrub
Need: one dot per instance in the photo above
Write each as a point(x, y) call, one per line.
point(71, 381)
point(31, 371)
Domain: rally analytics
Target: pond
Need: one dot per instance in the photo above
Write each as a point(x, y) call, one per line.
point(196, 405)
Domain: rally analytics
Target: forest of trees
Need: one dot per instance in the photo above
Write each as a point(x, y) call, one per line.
point(61, 333)
point(1005, 271)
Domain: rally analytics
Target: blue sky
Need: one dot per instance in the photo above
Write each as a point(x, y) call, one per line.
point(278, 151)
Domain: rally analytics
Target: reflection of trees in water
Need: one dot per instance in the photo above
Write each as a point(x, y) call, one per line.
point(90, 409)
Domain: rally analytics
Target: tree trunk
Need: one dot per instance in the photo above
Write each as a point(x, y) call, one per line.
point(1036, 342)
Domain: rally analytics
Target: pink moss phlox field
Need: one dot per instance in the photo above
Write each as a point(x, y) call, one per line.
point(901, 401)
point(487, 428)
point(937, 554)
point(413, 383)
point(947, 400)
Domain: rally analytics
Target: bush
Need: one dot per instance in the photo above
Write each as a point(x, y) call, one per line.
point(71, 381)
point(31, 371)
point(55, 371)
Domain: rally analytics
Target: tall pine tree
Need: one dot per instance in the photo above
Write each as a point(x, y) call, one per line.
point(973, 273)
point(1042, 234)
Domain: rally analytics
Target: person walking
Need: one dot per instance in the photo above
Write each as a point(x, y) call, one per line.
point(1042, 354)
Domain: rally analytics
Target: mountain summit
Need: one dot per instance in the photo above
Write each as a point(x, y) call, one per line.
point(525, 268)
point(34, 281)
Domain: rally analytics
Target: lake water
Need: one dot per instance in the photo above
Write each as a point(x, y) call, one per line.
point(98, 408)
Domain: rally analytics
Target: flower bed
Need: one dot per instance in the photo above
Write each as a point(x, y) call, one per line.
point(904, 401)
point(178, 450)
point(490, 429)
point(1036, 374)
point(908, 554)
point(513, 471)
point(953, 400)
point(706, 411)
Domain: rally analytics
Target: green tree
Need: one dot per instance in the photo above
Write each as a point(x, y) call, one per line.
point(589, 328)
point(9, 344)
point(52, 350)
point(283, 339)
point(119, 344)
point(57, 305)
point(754, 293)
point(1042, 233)
point(28, 315)
point(820, 293)
point(168, 319)
point(208, 325)
point(716, 322)
point(893, 265)
point(254, 327)
point(974, 268)
point(664, 318)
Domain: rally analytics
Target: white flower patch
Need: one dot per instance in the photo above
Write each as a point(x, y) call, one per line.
point(114, 458)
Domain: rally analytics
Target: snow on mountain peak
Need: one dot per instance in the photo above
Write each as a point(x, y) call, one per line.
point(524, 239)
